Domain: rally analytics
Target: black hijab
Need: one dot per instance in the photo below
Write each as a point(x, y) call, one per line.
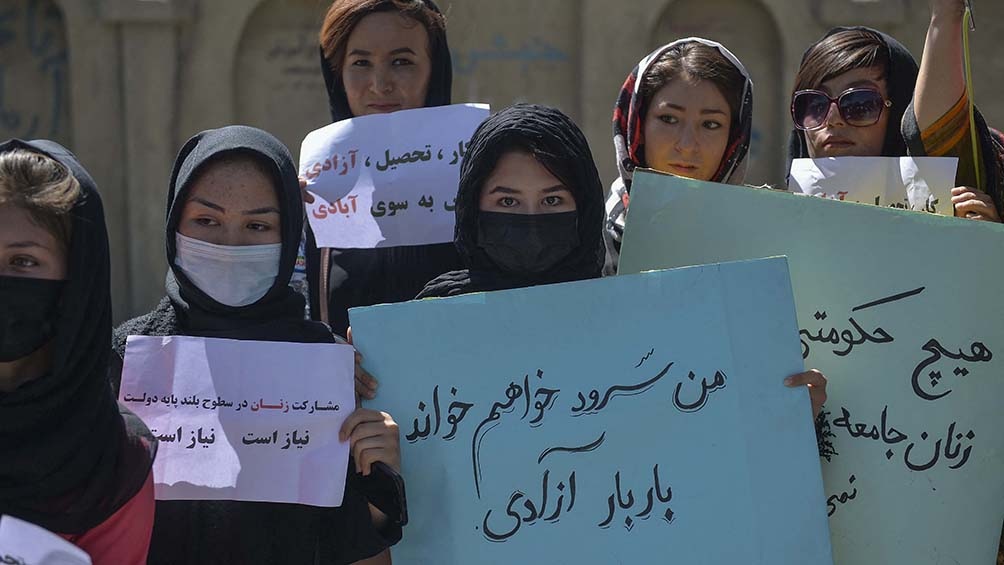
point(901, 79)
point(558, 144)
point(69, 460)
point(248, 532)
point(187, 310)
point(362, 277)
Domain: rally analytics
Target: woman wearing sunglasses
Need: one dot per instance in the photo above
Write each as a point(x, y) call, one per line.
point(850, 95)
point(854, 90)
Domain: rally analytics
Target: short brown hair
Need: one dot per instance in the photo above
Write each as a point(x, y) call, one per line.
point(343, 15)
point(838, 53)
point(43, 187)
point(695, 61)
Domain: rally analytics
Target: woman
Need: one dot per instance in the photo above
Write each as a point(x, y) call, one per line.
point(530, 211)
point(379, 56)
point(529, 207)
point(854, 90)
point(71, 462)
point(234, 222)
point(686, 109)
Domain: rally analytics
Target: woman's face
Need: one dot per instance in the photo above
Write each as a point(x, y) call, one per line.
point(232, 203)
point(686, 129)
point(27, 249)
point(838, 139)
point(521, 185)
point(387, 64)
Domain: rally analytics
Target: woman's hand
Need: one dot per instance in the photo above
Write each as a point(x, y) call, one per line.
point(816, 382)
point(308, 198)
point(973, 204)
point(373, 436)
point(366, 384)
point(949, 10)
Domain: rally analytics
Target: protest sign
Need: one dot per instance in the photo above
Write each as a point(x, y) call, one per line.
point(387, 180)
point(624, 420)
point(22, 543)
point(901, 311)
point(243, 420)
point(912, 183)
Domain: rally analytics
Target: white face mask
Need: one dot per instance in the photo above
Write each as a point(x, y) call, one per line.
point(231, 275)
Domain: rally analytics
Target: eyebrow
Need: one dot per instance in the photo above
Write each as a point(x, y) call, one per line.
point(398, 51)
point(549, 190)
point(264, 210)
point(251, 212)
point(25, 244)
point(704, 111)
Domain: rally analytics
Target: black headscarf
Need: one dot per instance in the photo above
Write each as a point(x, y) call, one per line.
point(558, 144)
point(362, 277)
point(901, 79)
point(247, 532)
point(68, 460)
point(187, 310)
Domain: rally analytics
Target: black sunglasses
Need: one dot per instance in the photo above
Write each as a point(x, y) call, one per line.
point(859, 107)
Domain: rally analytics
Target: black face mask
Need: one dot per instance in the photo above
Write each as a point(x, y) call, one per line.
point(527, 244)
point(27, 315)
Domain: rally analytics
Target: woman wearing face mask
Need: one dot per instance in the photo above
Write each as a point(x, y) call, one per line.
point(379, 56)
point(529, 208)
point(851, 94)
point(686, 109)
point(71, 462)
point(233, 227)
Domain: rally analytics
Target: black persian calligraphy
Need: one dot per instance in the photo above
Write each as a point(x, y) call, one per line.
point(620, 501)
point(930, 386)
point(844, 341)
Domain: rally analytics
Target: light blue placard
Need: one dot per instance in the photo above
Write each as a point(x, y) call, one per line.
point(591, 383)
point(903, 312)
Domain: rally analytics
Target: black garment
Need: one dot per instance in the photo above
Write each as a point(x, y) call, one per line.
point(363, 277)
point(901, 79)
point(245, 532)
point(558, 144)
point(68, 460)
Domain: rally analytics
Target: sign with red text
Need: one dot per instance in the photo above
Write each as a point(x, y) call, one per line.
point(387, 180)
point(234, 416)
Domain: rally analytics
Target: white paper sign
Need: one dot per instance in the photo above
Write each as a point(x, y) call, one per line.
point(387, 180)
point(914, 183)
point(22, 543)
point(243, 420)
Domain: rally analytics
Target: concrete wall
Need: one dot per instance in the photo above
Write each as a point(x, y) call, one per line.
point(123, 83)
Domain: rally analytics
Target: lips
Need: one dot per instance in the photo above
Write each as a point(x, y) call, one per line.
point(837, 142)
point(682, 168)
point(384, 107)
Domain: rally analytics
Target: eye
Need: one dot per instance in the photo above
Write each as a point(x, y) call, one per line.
point(206, 222)
point(508, 202)
point(360, 63)
point(402, 62)
point(23, 261)
point(669, 119)
point(712, 125)
point(258, 226)
point(553, 201)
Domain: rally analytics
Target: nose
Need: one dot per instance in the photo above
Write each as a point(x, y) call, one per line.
point(382, 82)
point(687, 142)
point(833, 116)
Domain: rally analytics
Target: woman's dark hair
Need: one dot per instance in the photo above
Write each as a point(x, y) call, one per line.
point(344, 15)
point(694, 61)
point(838, 53)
